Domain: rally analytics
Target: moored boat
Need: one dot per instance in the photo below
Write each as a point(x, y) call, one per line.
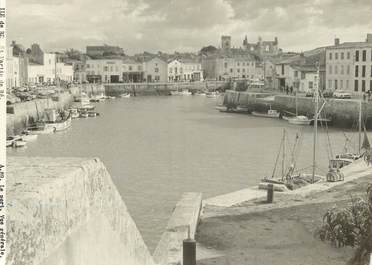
point(269, 114)
point(39, 129)
point(60, 125)
point(299, 120)
point(19, 143)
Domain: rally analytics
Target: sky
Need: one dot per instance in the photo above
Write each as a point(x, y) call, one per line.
point(185, 26)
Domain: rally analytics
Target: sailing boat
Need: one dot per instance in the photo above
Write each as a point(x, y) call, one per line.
point(292, 180)
point(347, 163)
point(298, 119)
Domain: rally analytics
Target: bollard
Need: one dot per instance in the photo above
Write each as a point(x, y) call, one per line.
point(189, 250)
point(270, 193)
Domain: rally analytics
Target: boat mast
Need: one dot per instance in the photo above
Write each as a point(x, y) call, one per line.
point(296, 105)
point(283, 157)
point(360, 126)
point(316, 98)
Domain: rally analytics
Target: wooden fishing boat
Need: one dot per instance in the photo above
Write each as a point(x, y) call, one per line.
point(269, 114)
point(60, 125)
point(299, 120)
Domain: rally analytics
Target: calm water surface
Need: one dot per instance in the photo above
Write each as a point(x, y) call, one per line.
point(156, 148)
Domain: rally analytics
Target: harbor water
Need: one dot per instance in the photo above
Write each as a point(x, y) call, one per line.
point(156, 148)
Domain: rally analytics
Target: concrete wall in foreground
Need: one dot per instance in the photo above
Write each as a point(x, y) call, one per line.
point(67, 211)
point(185, 216)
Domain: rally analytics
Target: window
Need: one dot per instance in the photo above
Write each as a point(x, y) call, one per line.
point(336, 69)
point(243, 70)
point(231, 70)
point(303, 75)
point(105, 68)
point(88, 65)
point(341, 84)
point(356, 85)
point(348, 55)
point(225, 65)
point(347, 84)
point(342, 56)
point(342, 69)
point(356, 71)
point(329, 84)
point(139, 67)
point(330, 69)
point(156, 70)
point(296, 73)
point(336, 84)
point(357, 56)
point(238, 70)
point(363, 85)
point(348, 70)
point(282, 69)
point(363, 71)
point(370, 85)
point(238, 63)
point(330, 56)
point(336, 56)
point(364, 55)
point(311, 84)
point(130, 68)
point(170, 70)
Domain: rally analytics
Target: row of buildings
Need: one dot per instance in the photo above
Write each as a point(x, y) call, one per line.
point(342, 66)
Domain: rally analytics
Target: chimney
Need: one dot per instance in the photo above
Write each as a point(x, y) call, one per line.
point(369, 38)
point(276, 40)
point(337, 41)
point(13, 43)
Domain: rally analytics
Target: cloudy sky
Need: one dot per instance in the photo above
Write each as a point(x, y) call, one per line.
point(188, 25)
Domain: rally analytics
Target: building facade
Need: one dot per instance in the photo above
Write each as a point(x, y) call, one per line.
point(104, 70)
point(17, 66)
point(155, 70)
point(230, 65)
point(186, 70)
point(349, 66)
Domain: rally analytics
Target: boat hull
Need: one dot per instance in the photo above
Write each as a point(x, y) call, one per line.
point(266, 115)
point(59, 126)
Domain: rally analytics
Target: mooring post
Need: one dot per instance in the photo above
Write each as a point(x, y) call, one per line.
point(270, 193)
point(189, 250)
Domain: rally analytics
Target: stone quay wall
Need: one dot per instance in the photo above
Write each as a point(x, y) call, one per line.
point(343, 112)
point(162, 89)
point(67, 211)
point(20, 115)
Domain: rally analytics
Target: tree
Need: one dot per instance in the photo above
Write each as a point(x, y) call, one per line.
point(351, 226)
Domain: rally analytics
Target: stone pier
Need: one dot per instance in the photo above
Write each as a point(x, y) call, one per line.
point(67, 211)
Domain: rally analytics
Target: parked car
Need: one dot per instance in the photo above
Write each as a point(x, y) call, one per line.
point(309, 94)
point(342, 94)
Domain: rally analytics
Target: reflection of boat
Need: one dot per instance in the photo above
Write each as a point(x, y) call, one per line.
point(27, 136)
point(299, 120)
point(241, 108)
point(186, 92)
point(213, 94)
point(175, 93)
point(19, 143)
point(11, 139)
point(271, 113)
point(40, 129)
point(84, 114)
point(125, 95)
point(93, 114)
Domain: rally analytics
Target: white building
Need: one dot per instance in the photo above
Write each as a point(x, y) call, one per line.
point(104, 70)
point(12, 70)
point(185, 70)
point(349, 66)
point(50, 71)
